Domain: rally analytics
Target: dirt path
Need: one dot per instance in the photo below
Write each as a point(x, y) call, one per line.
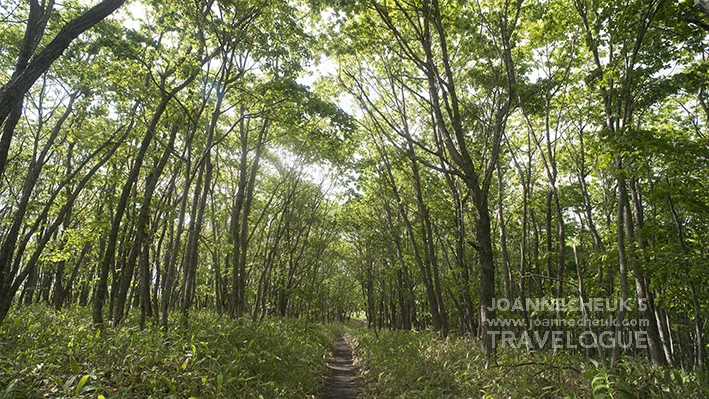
point(342, 381)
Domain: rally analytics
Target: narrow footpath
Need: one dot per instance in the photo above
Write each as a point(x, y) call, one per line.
point(341, 383)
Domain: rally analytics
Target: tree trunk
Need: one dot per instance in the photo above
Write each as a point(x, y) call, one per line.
point(191, 263)
point(504, 254)
point(429, 255)
point(142, 226)
point(59, 289)
point(487, 275)
point(171, 273)
point(622, 259)
point(642, 297)
point(7, 296)
point(110, 254)
point(31, 66)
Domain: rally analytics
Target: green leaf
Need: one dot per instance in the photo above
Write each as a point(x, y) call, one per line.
point(167, 382)
point(74, 364)
point(81, 383)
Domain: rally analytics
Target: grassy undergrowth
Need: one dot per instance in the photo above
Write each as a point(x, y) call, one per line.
point(44, 354)
point(403, 364)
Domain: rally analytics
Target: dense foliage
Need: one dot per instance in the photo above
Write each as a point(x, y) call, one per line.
point(60, 355)
point(416, 160)
point(423, 365)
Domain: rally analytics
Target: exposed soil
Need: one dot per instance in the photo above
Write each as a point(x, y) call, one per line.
point(341, 383)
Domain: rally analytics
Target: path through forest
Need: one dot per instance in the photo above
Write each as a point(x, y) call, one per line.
point(341, 383)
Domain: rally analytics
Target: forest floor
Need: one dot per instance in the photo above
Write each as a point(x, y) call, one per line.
point(60, 355)
point(342, 381)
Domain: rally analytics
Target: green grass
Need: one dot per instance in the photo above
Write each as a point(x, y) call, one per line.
point(420, 365)
point(44, 354)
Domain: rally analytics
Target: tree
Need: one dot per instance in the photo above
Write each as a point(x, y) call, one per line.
point(32, 64)
point(451, 114)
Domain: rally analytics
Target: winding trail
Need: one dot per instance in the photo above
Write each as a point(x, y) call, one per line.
point(341, 383)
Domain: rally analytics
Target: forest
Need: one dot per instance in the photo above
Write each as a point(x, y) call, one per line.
point(354, 198)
